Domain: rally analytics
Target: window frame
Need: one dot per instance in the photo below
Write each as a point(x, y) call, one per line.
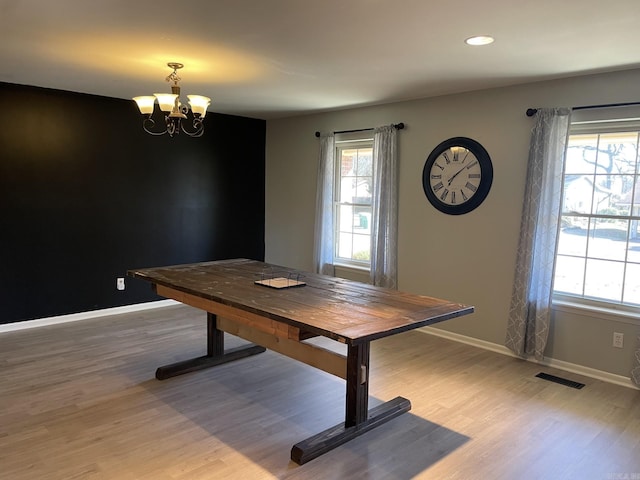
point(601, 123)
point(347, 141)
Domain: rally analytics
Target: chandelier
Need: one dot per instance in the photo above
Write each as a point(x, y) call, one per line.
point(175, 113)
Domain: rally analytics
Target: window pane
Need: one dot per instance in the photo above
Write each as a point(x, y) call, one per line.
point(578, 193)
point(581, 154)
point(632, 284)
point(344, 245)
point(608, 239)
point(345, 215)
point(617, 152)
point(365, 162)
point(630, 196)
point(573, 240)
point(613, 194)
point(569, 275)
point(362, 220)
point(633, 253)
point(604, 279)
point(347, 189)
point(363, 191)
point(347, 175)
point(347, 161)
point(362, 247)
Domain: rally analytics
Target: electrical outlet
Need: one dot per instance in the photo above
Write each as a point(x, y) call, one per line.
point(120, 283)
point(618, 340)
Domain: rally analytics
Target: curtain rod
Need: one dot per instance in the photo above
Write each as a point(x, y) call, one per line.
point(532, 111)
point(398, 126)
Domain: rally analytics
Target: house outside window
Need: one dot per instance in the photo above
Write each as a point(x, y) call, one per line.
point(353, 195)
point(598, 255)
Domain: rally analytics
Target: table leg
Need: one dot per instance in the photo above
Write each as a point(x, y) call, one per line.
point(216, 354)
point(357, 405)
point(215, 337)
point(358, 418)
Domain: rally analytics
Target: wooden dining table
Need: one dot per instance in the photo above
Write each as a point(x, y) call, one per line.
point(280, 309)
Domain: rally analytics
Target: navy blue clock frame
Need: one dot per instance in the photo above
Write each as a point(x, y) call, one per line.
point(468, 199)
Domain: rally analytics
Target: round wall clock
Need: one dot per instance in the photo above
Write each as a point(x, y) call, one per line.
point(457, 175)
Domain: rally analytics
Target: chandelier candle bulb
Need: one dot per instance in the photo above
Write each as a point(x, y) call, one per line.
point(199, 104)
point(145, 104)
point(166, 101)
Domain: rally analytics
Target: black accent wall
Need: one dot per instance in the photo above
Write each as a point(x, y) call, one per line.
point(86, 194)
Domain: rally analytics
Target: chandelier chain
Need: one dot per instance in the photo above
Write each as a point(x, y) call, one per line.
point(173, 77)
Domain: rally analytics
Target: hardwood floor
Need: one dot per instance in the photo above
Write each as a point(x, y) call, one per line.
point(80, 401)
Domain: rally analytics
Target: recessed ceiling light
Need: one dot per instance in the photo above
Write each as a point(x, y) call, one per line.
point(479, 40)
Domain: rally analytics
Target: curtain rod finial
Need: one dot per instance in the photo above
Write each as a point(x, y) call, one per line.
point(318, 134)
point(531, 112)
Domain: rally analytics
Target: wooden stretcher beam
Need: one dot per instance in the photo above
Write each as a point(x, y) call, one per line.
point(317, 357)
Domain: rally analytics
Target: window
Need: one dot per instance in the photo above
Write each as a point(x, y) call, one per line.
point(598, 256)
point(353, 195)
point(357, 204)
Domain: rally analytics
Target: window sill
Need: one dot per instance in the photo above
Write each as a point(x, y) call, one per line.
point(351, 266)
point(352, 272)
point(611, 314)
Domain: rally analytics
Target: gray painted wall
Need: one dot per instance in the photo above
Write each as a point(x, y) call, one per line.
point(468, 258)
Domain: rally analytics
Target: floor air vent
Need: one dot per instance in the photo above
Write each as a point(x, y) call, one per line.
point(560, 380)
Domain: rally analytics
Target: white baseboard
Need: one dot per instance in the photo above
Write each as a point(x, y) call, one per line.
point(74, 317)
point(547, 362)
point(494, 347)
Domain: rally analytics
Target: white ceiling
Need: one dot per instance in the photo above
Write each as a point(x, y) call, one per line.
point(275, 58)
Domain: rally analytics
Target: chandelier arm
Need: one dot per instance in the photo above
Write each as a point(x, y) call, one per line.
point(173, 125)
point(148, 124)
point(198, 128)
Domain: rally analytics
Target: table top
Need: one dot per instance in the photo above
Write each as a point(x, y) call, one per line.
point(344, 310)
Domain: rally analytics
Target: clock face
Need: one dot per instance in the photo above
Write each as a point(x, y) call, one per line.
point(457, 176)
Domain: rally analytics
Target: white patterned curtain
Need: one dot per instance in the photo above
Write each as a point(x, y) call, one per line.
point(635, 372)
point(384, 229)
point(323, 238)
point(529, 314)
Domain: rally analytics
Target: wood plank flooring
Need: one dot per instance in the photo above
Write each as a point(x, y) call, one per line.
point(79, 401)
